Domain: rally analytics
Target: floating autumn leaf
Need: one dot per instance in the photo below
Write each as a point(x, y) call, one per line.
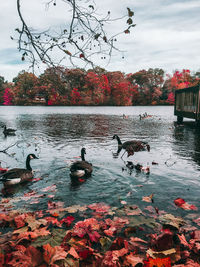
point(84, 254)
point(133, 260)
point(148, 198)
point(137, 244)
point(51, 188)
point(88, 226)
point(162, 242)
point(195, 235)
point(34, 223)
point(53, 221)
point(111, 258)
point(170, 220)
point(53, 254)
point(25, 257)
point(105, 243)
point(183, 240)
point(55, 205)
point(99, 207)
point(166, 262)
point(180, 202)
point(19, 220)
point(54, 239)
point(75, 208)
point(173, 254)
point(132, 210)
point(68, 220)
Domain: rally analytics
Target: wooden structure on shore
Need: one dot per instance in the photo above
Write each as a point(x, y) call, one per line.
point(187, 103)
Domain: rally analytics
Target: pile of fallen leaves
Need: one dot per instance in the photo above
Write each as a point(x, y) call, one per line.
point(99, 235)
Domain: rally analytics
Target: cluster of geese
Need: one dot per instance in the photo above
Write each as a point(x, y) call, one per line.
point(79, 169)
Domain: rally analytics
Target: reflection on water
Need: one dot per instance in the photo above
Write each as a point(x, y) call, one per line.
point(56, 135)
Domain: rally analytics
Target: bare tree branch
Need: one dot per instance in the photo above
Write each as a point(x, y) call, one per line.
point(83, 38)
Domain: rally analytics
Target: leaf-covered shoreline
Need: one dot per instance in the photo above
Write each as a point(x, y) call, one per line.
point(99, 235)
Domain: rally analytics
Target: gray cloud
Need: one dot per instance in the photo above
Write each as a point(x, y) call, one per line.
point(167, 34)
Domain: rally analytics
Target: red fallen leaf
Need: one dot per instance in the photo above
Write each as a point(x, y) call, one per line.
point(183, 240)
point(25, 257)
point(68, 220)
point(162, 242)
point(94, 236)
point(19, 220)
point(84, 254)
point(32, 234)
point(51, 188)
point(53, 221)
point(88, 226)
point(2, 260)
point(52, 254)
point(111, 258)
point(30, 193)
point(55, 214)
point(110, 231)
point(81, 55)
point(99, 207)
point(55, 205)
point(133, 260)
point(73, 252)
point(180, 202)
point(166, 262)
point(195, 235)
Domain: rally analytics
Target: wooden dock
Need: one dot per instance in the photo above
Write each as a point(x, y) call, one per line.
point(187, 103)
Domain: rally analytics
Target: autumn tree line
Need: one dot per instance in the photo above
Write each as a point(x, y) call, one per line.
point(59, 86)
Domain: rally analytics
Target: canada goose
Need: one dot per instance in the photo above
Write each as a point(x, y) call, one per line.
point(18, 175)
point(81, 168)
point(8, 131)
point(131, 146)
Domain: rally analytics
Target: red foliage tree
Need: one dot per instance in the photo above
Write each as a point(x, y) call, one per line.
point(8, 97)
point(75, 97)
point(171, 98)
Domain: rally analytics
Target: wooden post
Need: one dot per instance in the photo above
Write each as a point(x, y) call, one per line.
point(179, 119)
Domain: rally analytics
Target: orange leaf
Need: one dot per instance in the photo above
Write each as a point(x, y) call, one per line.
point(52, 254)
point(158, 262)
point(73, 252)
point(133, 260)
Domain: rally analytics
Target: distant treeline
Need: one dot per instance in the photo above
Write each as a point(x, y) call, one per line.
point(60, 86)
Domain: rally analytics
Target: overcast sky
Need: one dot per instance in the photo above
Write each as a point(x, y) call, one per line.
point(167, 34)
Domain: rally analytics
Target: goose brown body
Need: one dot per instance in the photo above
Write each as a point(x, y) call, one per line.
point(18, 175)
point(131, 146)
point(81, 168)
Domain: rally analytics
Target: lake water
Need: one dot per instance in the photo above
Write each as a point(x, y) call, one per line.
point(57, 134)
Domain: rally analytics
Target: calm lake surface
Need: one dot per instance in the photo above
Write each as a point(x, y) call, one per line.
point(57, 134)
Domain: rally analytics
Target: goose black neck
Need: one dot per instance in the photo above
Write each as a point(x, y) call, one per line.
point(28, 166)
point(118, 140)
point(83, 155)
